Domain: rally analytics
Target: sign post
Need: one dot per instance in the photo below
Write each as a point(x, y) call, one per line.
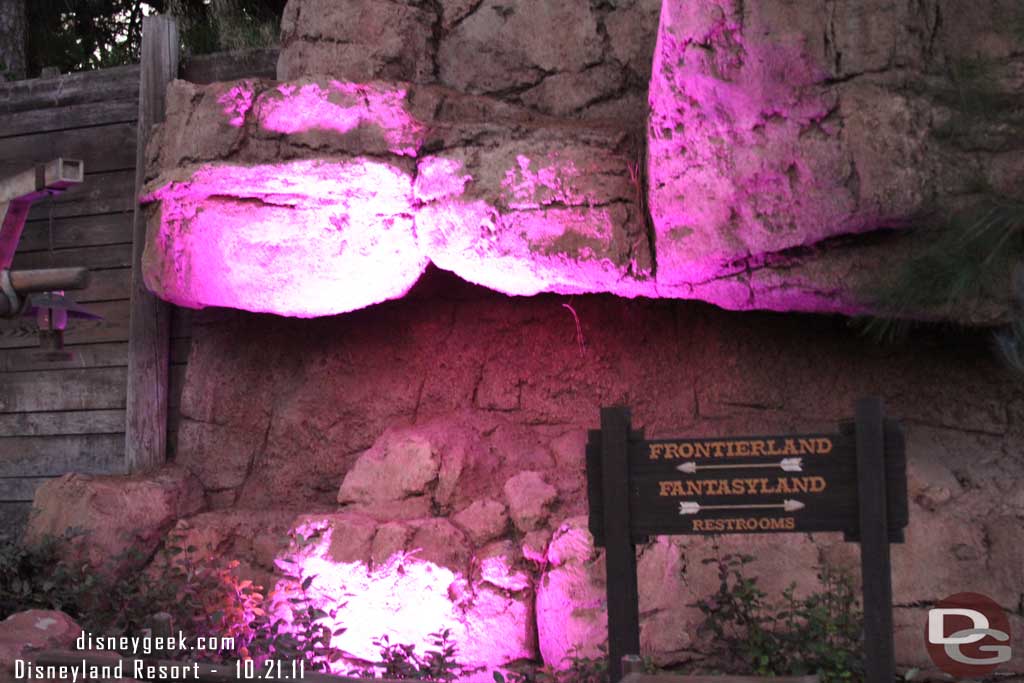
point(853, 481)
point(876, 575)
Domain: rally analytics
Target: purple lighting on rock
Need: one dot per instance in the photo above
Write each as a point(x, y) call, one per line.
point(303, 238)
point(406, 598)
point(341, 109)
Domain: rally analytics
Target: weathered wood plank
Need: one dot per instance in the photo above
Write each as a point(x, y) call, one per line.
point(20, 489)
point(118, 83)
point(99, 355)
point(62, 423)
point(77, 231)
point(105, 284)
point(175, 383)
point(230, 66)
point(110, 256)
point(49, 456)
point(101, 193)
point(102, 148)
point(85, 356)
point(109, 284)
point(22, 332)
point(89, 389)
point(58, 119)
point(149, 341)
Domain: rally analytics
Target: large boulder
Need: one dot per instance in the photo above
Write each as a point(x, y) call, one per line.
point(277, 197)
point(35, 629)
point(112, 522)
point(784, 155)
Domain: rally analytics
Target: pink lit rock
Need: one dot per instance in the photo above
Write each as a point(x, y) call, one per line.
point(529, 499)
point(397, 467)
point(356, 41)
point(407, 580)
point(359, 211)
point(504, 45)
point(483, 520)
point(571, 601)
point(302, 238)
point(549, 209)
point(24, 633)
point(777, 128)
point(112, 513)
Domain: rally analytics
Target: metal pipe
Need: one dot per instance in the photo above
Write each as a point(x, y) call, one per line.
point(16, 284)
point(49, 279)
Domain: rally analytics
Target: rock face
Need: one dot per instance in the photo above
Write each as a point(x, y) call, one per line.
point(397, 408)
point(433, 446)
point(110, 515)
point(777, 127)
point(787, 148)
point(241, 222)
point(34, 629)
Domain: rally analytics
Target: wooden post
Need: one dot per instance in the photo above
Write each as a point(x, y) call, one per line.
point(632, 664)
point(149, 328)
point(879, 650)
point(620, 553)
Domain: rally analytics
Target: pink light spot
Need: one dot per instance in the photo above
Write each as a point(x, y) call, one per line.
point(342, 108)
point(237, 102)
point(303, 238)
point(405, 598)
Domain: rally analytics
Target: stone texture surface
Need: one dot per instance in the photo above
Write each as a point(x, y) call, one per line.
point(345, 390)
point(35, 629)
point(529, 499)
point(787, 147)
point(578, 59)
point(318, 197)
point(111, 515)
point(777, 127)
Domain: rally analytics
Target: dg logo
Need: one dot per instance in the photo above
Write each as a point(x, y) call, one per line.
point(968, 635)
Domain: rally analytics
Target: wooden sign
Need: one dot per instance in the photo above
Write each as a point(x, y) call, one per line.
point(851, 481)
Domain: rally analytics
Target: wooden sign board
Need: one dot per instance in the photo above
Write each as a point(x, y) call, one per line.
point(754, 484)
point(852, 481)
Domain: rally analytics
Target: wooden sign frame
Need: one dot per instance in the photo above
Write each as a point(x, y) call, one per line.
point(631, 498)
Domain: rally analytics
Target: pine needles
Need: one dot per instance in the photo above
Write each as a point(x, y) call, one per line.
point(966, 265)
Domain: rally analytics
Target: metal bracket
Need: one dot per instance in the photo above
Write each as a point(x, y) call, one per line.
point(11, 305)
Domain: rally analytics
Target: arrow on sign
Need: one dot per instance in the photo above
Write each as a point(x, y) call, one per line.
point(691, 508)
point(786, 464)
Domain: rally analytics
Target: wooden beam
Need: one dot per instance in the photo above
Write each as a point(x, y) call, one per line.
point(52, 456)
point(149, 327)
point(620, 553)
point(62, 423)
point(876, 571)
point(56, 119)
point(105, 85)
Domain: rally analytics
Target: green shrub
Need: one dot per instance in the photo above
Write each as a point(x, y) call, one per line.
point(817, 634)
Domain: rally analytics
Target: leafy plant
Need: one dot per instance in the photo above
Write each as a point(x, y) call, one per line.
point(34, 577)
point(817, 634)
point(203, 598)
point(580, 669)
point(306, 635)
point(402, 662)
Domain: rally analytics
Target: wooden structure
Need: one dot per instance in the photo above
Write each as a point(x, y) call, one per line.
point(853, 481)
point(71, 415)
